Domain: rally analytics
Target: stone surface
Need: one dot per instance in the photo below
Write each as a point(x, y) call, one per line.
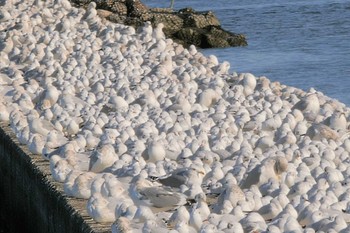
point(185, 26)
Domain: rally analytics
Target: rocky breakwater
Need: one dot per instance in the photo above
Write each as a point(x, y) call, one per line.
point(185, 26)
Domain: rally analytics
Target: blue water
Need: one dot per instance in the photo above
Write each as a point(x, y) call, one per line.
point(298, 43)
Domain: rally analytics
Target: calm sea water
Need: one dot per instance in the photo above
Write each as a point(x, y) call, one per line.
point(298, 43)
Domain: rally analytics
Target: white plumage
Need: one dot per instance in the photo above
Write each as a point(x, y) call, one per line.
point(106, 104)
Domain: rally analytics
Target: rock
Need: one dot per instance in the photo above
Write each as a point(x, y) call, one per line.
point(197, 19)
point(185, 26)
point(104, 13)
point(136, 8)
point(117, 7)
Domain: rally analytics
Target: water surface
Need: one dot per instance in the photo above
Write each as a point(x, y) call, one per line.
point(298, 43)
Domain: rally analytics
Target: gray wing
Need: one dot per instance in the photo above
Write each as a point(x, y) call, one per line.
point(176, 179)
point(93, 159)
point(173, 181)
point(301, 105)
point(252, 178)
point(161, 198)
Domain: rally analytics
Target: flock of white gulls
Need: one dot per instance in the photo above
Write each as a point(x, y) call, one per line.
point(158, 138)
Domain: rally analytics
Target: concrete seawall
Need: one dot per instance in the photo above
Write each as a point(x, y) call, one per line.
point(30, 200)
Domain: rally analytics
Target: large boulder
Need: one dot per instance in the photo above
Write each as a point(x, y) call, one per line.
point(185, 26)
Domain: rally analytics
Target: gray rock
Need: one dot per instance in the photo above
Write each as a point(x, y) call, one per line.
point(185, 26)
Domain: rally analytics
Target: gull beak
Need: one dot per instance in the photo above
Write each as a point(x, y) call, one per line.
point(201, 172)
